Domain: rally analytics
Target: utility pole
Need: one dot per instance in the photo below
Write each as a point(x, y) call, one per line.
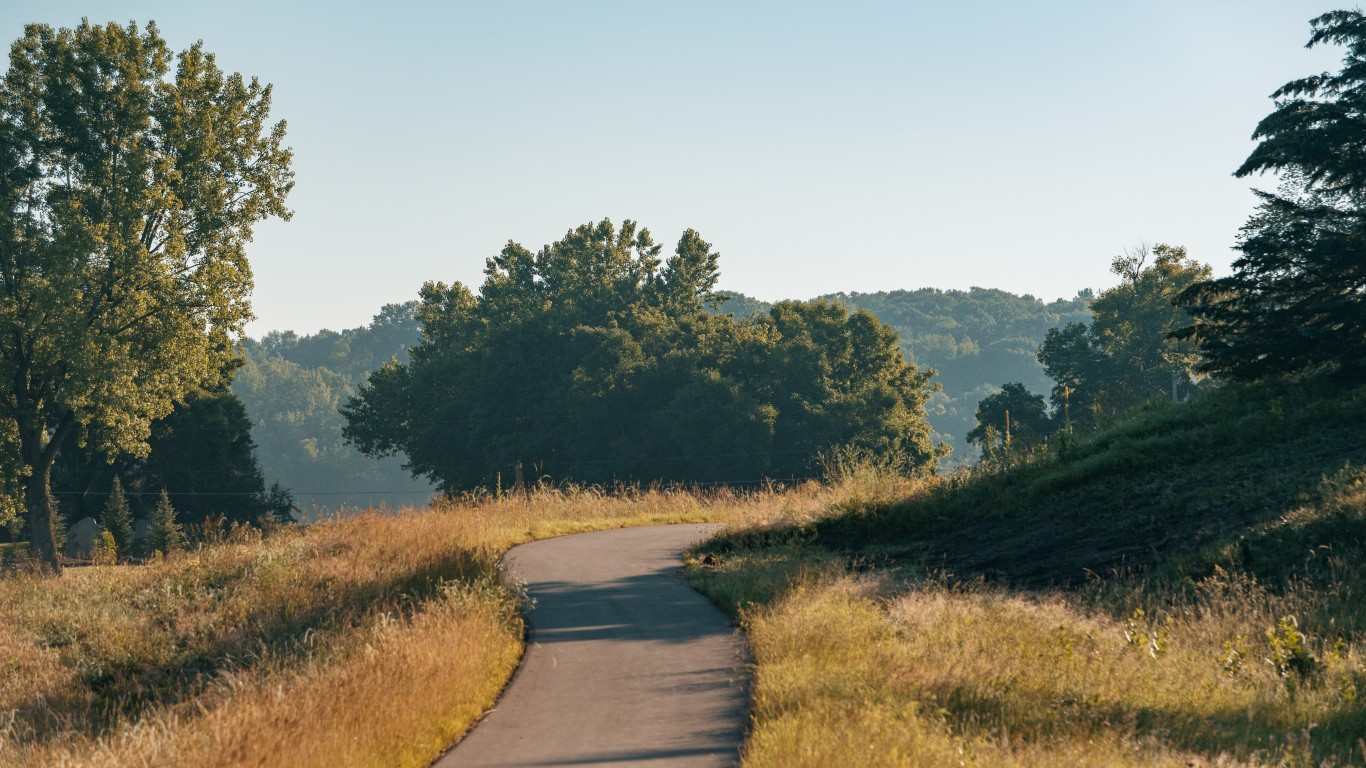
point(1175, 376)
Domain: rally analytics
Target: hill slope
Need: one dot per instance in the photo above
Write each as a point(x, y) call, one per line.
point(1247, 478)
point(1182, 589)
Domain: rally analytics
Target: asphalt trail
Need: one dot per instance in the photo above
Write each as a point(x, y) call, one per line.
point(625, 663)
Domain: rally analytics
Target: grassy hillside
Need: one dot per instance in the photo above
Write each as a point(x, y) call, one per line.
point(1184, 589)
point(1175, 488)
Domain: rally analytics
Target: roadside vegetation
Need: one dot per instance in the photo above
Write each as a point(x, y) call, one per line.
point(375, 640)
point(1121, 580)
point(1183, 589)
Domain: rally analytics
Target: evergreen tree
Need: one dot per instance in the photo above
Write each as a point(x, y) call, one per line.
point(280, 508)
point(117, 519)
point(1297, 296)
point(164, 535)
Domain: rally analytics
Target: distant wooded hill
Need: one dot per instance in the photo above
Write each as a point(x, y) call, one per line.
point(292, 385)
point(976, 339)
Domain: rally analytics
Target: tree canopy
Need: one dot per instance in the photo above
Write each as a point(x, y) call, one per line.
point(202, 454)
point(1297, 295)
point(594, 360)
point(1126, 354)
point(129, 192)
point(1011, 418)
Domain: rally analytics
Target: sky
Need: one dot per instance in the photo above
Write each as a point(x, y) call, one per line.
point(820, 147)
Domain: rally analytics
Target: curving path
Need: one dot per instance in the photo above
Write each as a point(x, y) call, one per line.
point(625, 663)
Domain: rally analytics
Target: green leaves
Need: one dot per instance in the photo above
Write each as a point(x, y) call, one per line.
point(1127, 354)
point(117, 519)
point(593, 360)
point(164, 535)
point(128, 195)
point(1297, 297)
point(1009, 419)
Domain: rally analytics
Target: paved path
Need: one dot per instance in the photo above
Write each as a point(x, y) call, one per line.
point(625, 663)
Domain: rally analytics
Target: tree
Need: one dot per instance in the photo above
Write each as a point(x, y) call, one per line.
point(1013, 414)
point(128, 194)
point(839, 380)
point(118, 519)
point(280, 508)
point(202, 454)
point(1127, 354)
point(164, 534)
point(1297, 296)
point(595, 360)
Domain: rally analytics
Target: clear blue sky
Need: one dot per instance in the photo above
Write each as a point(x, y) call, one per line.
point(820, 147)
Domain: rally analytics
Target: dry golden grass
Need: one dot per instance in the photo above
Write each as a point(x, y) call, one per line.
point(378, 640)
point(945, 676)
point(374, 640)
point(865, 663)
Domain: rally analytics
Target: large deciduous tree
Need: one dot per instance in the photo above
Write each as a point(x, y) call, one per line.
point(128, 193)
point(1297, 296)
point(202, 454)
point(594, 360)
point(1126, 355)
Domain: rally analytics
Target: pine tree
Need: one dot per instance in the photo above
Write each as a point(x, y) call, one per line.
point(165, 534)
point(1297, 297)
point(117, 519)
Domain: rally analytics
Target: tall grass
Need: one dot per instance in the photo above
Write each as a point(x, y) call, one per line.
point(858, 663)
point(375, 640)
point(1075, 611)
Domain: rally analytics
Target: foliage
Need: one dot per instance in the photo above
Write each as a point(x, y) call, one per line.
point(1297, 297)
point(202, 454)
point(118, 519)
point(973, 340)
point(129, 193)
point(595, 360)
point(292, 387)
point(105, 550)
point(1126, 355)
point(353, 352)
point(280, 507)
point(1012, 418)
point(1290, 653)
point(164, 534)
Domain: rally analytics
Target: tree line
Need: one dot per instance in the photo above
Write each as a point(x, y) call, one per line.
point(131, 180)
point(1295, 302)
point(293, 387)
point(595, 360)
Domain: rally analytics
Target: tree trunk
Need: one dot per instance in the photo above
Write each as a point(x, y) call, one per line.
point(42, 533)
point(39, 451)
